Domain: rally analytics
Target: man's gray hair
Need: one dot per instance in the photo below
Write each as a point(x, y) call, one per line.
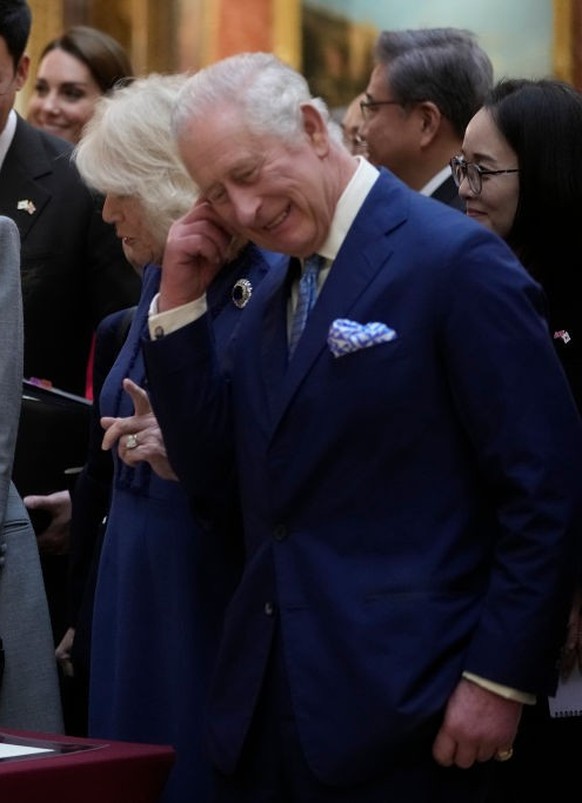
point(444, 65)
point(269, 93)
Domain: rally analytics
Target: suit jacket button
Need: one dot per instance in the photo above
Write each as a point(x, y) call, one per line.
point(280, 532)
point(269, 609)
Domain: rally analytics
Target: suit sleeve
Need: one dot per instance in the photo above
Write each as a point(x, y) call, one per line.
point(11, 346)
point(517, 409)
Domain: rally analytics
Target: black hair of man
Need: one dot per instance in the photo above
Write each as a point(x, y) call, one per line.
point(15, 24)
point(444, 65)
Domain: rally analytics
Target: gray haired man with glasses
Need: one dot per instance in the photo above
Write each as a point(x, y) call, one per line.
point(425, 87)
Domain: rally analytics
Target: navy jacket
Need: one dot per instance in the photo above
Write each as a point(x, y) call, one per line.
point(409, 508)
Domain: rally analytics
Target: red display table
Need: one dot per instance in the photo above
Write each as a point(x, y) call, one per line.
point(73, 770)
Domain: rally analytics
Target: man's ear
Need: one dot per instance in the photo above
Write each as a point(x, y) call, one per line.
point(430, 121)
point(315, 128)
point(22, 69)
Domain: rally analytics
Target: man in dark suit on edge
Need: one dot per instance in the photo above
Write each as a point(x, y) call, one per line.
point(73, 268)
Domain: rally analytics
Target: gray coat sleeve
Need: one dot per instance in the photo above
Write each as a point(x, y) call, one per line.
point(29, 689)
point(11, 349)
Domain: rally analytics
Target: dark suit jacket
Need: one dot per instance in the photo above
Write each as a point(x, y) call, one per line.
point(92, 492)
point(410, 508)
point(93, 488)
point(448, 193)
point(73, 268)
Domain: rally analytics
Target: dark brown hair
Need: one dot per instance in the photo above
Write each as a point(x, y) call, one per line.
point(104, 57)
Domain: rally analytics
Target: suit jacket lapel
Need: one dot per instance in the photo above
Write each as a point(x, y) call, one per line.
point(359, 260)
point(25, 163)
point(273, 339)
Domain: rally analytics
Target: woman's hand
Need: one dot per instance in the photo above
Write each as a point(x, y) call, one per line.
point(138, 437)
point(55, 539)
point(63, 653)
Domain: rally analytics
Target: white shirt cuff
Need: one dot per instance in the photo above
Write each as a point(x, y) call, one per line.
point(161, 324)
point(502, 691)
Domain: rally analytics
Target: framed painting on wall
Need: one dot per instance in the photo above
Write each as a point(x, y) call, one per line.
point(568, 41)
point(336, 54)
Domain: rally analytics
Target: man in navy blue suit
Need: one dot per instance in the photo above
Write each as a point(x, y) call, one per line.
point(410, 476)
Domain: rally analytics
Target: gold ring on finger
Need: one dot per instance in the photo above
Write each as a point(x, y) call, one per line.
point(131, 441)
point(504, 755)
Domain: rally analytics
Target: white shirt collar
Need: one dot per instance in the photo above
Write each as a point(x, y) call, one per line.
point(348, 207)
point(436, 181)
point(7, 135)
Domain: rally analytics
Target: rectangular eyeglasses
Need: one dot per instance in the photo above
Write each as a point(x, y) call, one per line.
point(367, 106)
point(474, 173)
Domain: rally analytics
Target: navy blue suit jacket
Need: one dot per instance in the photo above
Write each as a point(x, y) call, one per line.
point(409, 508)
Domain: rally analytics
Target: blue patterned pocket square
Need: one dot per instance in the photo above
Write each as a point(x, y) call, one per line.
point(346, 336)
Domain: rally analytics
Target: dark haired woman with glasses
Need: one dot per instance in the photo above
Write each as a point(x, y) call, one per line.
point(474, 173)
point(520, 174)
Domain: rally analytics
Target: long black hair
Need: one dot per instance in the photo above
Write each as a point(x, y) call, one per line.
point(542, 122)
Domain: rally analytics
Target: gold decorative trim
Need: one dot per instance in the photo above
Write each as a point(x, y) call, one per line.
point(562, 40)
point(210, 13)
point(287, 31)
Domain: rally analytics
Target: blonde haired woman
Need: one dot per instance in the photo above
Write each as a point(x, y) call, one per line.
point(161, 583)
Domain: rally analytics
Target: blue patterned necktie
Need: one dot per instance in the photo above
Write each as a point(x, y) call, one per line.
point(306, 298)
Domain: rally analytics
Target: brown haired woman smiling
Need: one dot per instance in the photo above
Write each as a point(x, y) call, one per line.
point(74, 71)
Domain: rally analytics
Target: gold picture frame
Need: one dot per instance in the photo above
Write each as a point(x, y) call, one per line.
point(337, 55)
point(567, 41)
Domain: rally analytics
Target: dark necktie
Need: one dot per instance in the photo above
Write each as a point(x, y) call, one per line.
point(306, 298)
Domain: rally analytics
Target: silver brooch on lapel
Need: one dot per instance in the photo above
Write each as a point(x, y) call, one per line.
point(241, 293)
point(26, 206)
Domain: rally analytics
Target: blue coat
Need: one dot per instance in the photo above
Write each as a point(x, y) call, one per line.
point(409, 508)
point(161, 588)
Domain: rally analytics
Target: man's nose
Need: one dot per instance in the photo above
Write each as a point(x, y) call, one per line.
point(245, 204)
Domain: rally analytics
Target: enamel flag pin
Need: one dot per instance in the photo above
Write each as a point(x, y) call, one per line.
point(562, 335)
point(26, 206)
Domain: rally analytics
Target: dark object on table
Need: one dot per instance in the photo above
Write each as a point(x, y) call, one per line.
point(51, 446)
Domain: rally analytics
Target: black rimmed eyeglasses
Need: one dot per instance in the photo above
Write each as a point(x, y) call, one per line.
point(474, 173)
point(367, 106)
point(355, 143)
